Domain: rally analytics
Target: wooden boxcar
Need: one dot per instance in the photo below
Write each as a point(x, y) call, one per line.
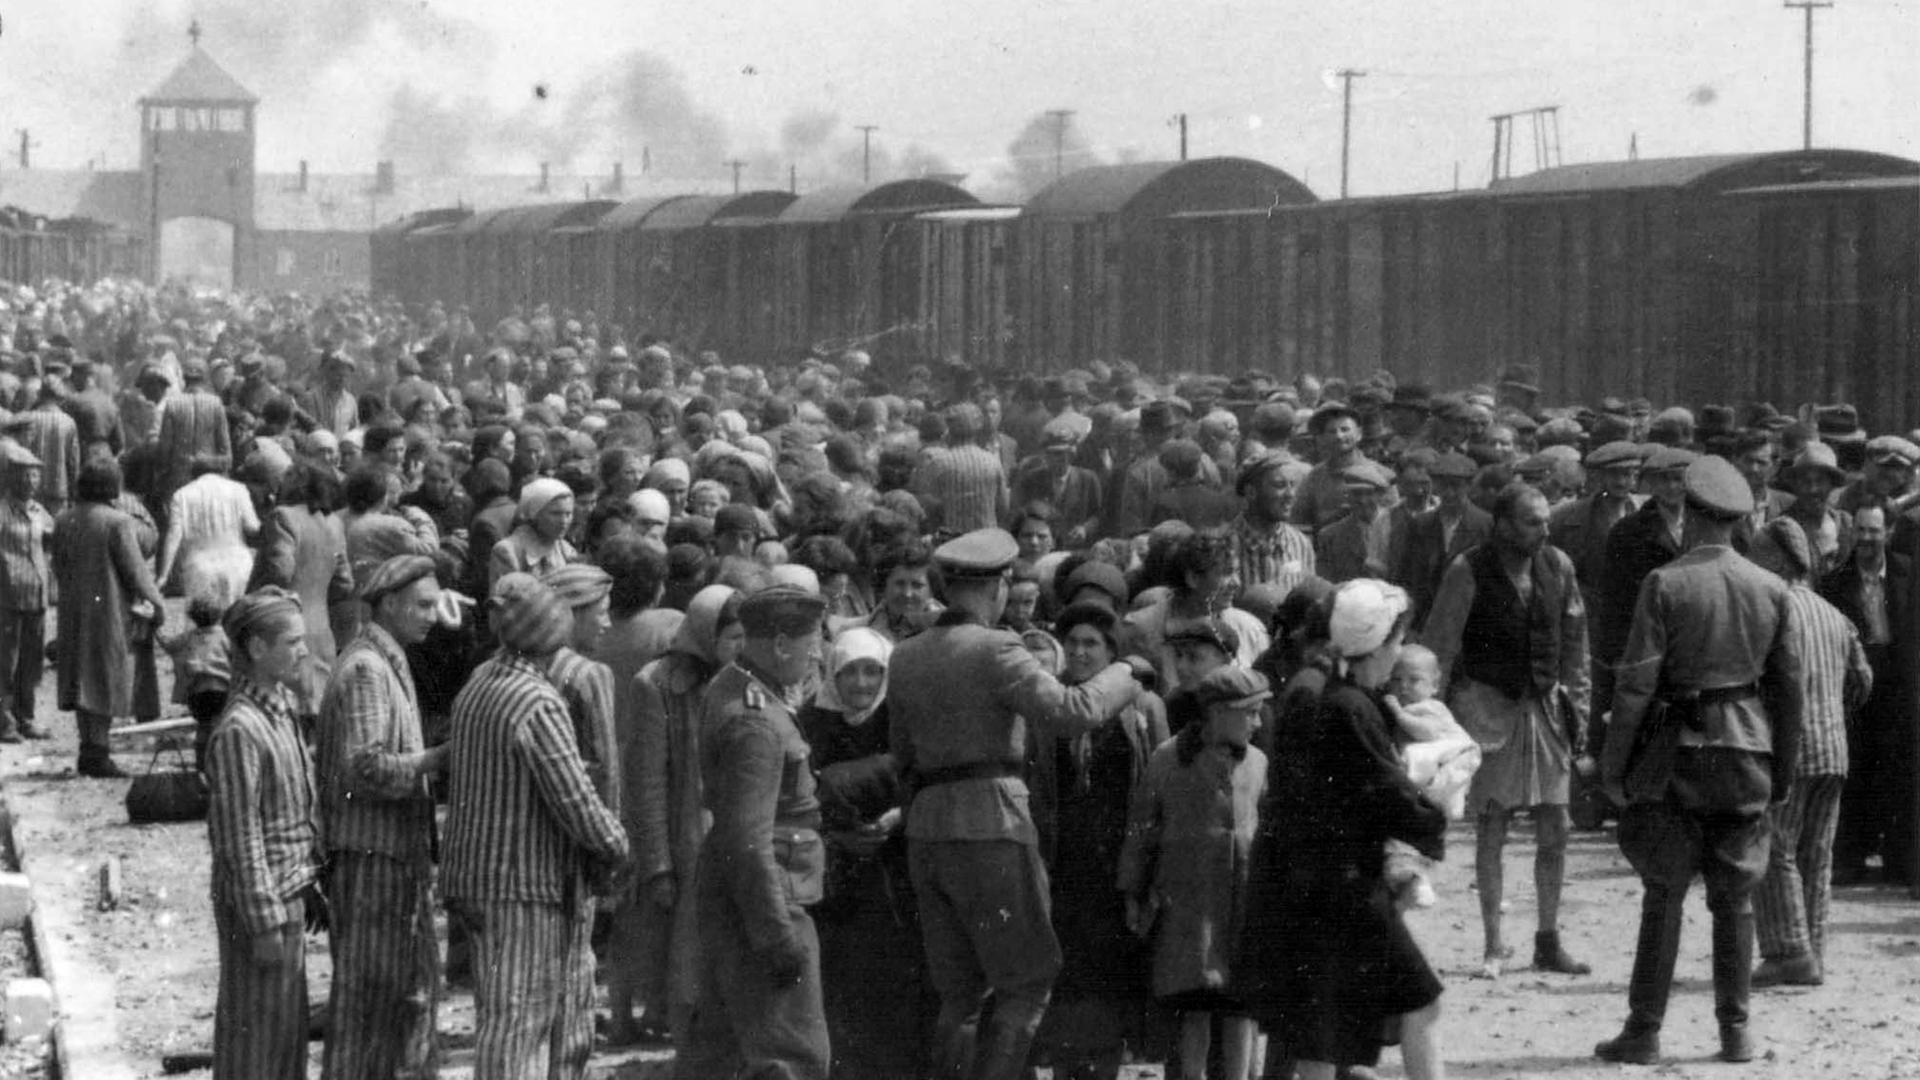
point(688, 288)
point(1097, 280)
point(616, 261)
point(964, 271)
point(846, 271)
point(531, 253)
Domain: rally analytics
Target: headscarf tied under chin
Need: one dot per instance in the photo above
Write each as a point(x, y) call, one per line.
point(854, 643)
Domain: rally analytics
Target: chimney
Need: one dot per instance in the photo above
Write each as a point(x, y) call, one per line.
point(302, 189)
point(646, 160)
point(382, 177)
point(545, 176)
point(619, 183)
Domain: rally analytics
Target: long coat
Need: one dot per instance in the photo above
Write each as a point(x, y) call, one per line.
point(306, 553)
point(101, 572)
point(1428, 553)
point(1189, 843)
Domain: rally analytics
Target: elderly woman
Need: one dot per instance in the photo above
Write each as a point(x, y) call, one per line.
point(263, 825)
point(1325, 961)
point(108, 608)
point(655, 949)
point(537, 544)
point(871, 957)
point(1083, 788)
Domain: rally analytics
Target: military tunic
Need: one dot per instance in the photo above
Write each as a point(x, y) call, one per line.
point(761, 1012)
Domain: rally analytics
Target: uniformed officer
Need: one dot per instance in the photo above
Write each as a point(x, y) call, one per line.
point(1705, 730)
point(962, 694)
point(760, 1012)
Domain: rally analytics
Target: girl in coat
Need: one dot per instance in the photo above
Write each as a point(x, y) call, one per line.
point(1184, 868)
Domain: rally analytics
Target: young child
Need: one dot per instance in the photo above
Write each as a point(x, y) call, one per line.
point(202, 666)
point(1440, 757)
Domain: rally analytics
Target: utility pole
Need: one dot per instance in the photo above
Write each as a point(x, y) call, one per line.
point(736, 165)
point(1346, 77)
point(1181, 119)
point(866, 151)
point(793, 179)
point(26, 149)
point(1807, 8)
point(1060, 117)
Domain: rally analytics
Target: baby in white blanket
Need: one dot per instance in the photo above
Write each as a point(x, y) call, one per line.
point(1439, 755)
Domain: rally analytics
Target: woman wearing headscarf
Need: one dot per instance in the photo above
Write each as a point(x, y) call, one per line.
point(1326, 965)
point(655, 954)
point(1082, 790)
point(871, 956)
point(538, 543)
point(263, 826)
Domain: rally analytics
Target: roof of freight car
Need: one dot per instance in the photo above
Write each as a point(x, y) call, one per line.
point(548, 216)
point(632, 213)
point(1711, 174)
point(894, 197)
point(1837, 187)
point(421, 219)
point(708, 209)
point(1157, 189)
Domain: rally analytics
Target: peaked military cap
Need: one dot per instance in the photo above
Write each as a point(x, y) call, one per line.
point(782, 609)
point(1716, 488)
point(982, 553)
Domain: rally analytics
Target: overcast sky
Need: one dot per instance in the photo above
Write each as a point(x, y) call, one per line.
point(952, 86)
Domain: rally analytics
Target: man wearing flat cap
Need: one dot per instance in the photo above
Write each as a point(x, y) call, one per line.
point(1357, 544)
point(1322, 496)
point(763, 863)
point(1581, 527)
point(1074, 492)
point(1267, 549)
point(528, 841)
point(53, 437)
point(1887, 481)
point(1439, 536)
point(963, 693)
point(1705, 735)
point(1647, 538)
point(377, 812)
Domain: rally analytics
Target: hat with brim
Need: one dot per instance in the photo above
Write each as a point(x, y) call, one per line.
point(1816, 457)
point(982, 553)
point(1328, 413)
point(1664, 458)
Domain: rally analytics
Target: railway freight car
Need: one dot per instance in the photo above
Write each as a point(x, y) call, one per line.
point(398, 256)
point(965, 268)
point(703, 271)
point(846, 274)
point(1099, 275)
point(529, 253)
point(1633, 277)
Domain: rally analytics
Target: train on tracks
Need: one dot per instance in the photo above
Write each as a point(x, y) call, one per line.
point(35, 249)
point(1789, 276)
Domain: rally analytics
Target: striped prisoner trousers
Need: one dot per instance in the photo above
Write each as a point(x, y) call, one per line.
point(1790, 906)
point(533, 988)
point(260, 1016)
point(386, 969)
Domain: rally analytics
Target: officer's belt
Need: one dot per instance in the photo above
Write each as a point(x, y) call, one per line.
point(978, 770)
point(1685, 706)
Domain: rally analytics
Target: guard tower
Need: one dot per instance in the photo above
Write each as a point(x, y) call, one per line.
point(197, 156)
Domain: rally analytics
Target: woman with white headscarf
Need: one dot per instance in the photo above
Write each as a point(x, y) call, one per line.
point(538, 543)
point(871, 965)
point(1325, 961)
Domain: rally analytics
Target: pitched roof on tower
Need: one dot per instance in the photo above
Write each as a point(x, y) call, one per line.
point(199, 78)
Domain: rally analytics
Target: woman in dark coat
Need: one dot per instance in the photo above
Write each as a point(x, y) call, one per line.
point(1083, 787)
point(109, 606)
point(1327, 965)
point(872, 973)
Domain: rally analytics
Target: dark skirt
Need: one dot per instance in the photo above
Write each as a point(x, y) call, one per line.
point(1333, 966)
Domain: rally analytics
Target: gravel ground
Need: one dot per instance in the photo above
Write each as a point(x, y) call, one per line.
point(158, 943)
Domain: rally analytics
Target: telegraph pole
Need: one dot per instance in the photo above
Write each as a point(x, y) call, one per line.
point(866, 151)
point(1181, 119)
point(1346, 77)
point(736, 165)
point(1059, 140)
point(1807, 8)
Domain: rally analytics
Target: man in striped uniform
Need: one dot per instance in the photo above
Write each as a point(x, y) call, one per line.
point(26, 579)
point(374, 773)
point(1267, 549)
point(527, 837)
point(761, 1010)
point(54, 438)
point(266, 848)
point(586, 685)
point(1790, 907)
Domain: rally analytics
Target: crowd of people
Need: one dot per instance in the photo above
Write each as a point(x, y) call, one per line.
point(823, 718)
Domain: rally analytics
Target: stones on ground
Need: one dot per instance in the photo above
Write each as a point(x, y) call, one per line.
point(111, 883)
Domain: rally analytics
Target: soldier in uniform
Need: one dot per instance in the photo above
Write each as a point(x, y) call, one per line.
point(963, 693)
point(761, 1011)
point(1705, 731)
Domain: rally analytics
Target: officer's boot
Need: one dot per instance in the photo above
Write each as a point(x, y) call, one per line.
point(1008, 1039)
point(1733, 980)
